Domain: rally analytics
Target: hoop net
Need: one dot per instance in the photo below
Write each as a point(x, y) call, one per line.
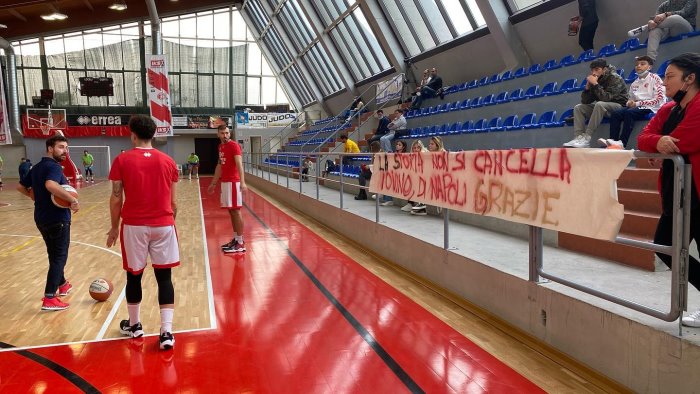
point(46, 120)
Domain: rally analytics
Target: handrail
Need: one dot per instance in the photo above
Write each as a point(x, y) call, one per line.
point(280, 134)
point(678, 249)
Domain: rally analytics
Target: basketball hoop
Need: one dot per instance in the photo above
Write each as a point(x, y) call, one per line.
point(45, 126)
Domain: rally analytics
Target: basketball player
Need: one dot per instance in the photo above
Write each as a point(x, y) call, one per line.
point(45, 179)
point(88, 161)
point(230, 171)
point(143, 196)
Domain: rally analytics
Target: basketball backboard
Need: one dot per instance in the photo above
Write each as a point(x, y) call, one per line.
point(46, 119)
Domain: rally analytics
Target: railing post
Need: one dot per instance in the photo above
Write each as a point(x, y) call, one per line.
point(536, 245)
point(446, 229)
point(341, 180)
point(318, 173)
point(286, 162)
point(300, 173)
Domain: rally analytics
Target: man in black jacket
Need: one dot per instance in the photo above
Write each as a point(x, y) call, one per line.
point(431, 89)
point(586, 9)
point(382, 127)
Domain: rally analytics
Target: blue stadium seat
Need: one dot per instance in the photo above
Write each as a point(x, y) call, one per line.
point(629, 45)
point(526, 120)
point(507, 76)
point(607, 50)
point(476, 102)
point(535, 69)
point(516, 95)
point(488, 100)
point(454, 128)
point(478, 126)
point(442, 129)
point(463, 86)
point(443, 108)
point(549, 89)
point(466, 127)
point(495, 124)
point(532, 92)
point(580, 86)
point(464, 104)
point(586, 56)
point(501, 98)
point(631, 77)
point(567, 86)
point(561, 123)
point(433, 110)
point(551, 65)
point(521, 72)
point(545, 119)
point(694, 33)
point(424, 111)
point(510, 122)
point(432, 131)
point(453, 107)
point(672, 39)
point(568, 60)
point(473, 84)
point(621, 72)
point(662, 69)
point(484, 81)
point(494, 78)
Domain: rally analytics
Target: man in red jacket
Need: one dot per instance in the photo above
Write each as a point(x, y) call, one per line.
point(674, 129)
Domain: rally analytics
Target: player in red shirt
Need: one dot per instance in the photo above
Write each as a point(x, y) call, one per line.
point(230, 171)
point(143, 196)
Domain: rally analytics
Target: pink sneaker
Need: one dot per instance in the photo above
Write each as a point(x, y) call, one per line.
point(64, 289)
point(53, 304)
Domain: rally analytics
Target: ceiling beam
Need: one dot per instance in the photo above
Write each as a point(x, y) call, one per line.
point(89, 5)
point(22, 4)
point(18, 15)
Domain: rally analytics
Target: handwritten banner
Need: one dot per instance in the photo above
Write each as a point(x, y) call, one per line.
point(390, 89)
point(569, 190)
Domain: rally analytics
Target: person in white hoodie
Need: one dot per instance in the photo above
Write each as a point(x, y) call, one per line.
point(647, 95)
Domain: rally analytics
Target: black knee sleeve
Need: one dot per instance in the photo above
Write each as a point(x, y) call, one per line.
point(166, 292)
point(133, 288)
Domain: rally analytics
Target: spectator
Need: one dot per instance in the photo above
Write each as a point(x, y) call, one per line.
point(354, 108)
point(382, 127)
point(305, 167)
point(24, 166)
point(605, 92)
point(398, 124)
point(435, 145)
point(350, 147)
point(586, 9)
point(416, 147)
point(673, 17)
point(432, 88)
point(366, 173)
point(647, 95)
point(401, 147)
point(674, 130)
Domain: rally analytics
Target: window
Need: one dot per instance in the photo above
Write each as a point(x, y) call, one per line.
point(517, 5)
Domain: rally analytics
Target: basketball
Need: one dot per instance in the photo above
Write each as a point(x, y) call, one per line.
point(61, 203)
point(101, 289)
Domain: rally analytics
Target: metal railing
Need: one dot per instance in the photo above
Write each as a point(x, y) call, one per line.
point(678, 250)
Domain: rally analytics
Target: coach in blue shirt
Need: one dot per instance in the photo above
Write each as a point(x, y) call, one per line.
point(53, 222)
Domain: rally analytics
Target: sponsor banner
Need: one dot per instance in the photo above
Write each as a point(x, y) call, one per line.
point(5, 136)
point(390, 89)
point(98, 120)
point(569, 190)
point(159, 94)
point(201, 121)
point(180, 122)
point(255, 120)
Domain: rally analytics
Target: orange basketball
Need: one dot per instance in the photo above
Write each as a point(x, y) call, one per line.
point(61, 203)
point(101, 289)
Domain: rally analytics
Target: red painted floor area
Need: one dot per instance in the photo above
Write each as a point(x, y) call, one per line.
point(294, 315)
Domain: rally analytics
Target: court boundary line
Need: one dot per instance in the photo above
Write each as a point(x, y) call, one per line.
point(207, 268)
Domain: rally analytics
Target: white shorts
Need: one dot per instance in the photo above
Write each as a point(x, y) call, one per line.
point(138, 242)
point(231, 196)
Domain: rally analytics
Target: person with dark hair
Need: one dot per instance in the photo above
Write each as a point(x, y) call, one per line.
point(382, 127)
point(431, 88)
point(24, 166)
point(605, 92)
point(673, 18)
point(144, 200)
point(193, 165)
point(674, 129)
point(647, 95)
point(230, 170)
point(587, 11)
point(366, 173)
point(350, 146)
point(46, 179)
point(398, 124)
point(88, 161)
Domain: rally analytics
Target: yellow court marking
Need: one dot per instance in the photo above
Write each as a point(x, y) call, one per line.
point(18, 248)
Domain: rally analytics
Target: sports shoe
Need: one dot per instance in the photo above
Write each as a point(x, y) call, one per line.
point(407, 207)
point(134, 331)
point(236, 247)
point(615, 144)
point(228, 244)
point(189, 178)
point(418, 207)
point(53, 304)
point(581, 141)
point(419, 212)
point(387, 203)
point(167, 341)
point(692, 320)
point(572, 142)
point(374, 196)
point(64, 289)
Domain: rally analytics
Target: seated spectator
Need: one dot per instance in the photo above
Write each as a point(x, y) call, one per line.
point(673, 18)
point(401, 147)
point(382, 127)
point(306, 165)
point(399, 123)
point(647, 95)
point(366, 173)
point(432, 88)
point(24, 166)
point(605, 92)
point(354, 108)
point(416, 147)
point(674, 130)
point(435, 145)
point(350, 147)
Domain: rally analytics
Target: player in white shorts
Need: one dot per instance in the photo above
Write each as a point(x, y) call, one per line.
point(143, 197)
point(230, 171)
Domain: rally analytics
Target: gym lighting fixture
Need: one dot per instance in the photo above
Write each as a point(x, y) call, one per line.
point(54, 16)
point(118, 6)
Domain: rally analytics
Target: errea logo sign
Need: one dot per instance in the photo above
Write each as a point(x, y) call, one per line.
point(99, 120)
point(157, 63)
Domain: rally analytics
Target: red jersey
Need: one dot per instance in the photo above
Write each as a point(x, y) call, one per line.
point(147, 176)
point(227, 151)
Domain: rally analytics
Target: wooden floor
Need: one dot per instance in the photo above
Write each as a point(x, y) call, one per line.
point(23, 259)
point(24, 264)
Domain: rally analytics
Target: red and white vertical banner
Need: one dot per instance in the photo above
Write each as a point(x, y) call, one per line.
point(159, 95)
point(5, 137)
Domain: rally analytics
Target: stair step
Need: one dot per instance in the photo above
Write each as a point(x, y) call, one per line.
point(628, 255)
point(638, 200)
point(640, 224)
point(639, 178)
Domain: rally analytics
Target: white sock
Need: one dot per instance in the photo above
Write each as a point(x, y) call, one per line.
point(133, 313)
point(166, 319)
point(238, 238)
